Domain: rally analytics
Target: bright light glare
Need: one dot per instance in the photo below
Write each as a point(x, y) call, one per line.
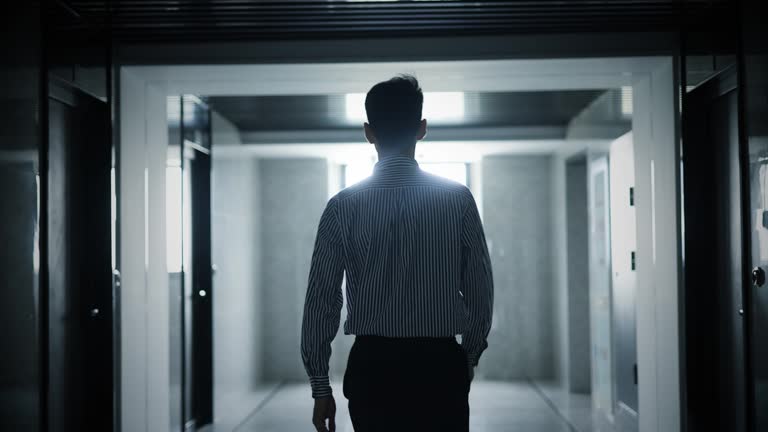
point(626, 101)
point(455, 171)
point(438, 107)
point(357, 172)
point(360, 170)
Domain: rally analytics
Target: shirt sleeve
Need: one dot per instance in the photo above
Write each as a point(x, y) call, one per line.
point(476, 285)
point(323, 303)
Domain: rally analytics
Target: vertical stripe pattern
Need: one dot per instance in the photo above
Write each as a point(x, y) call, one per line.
point(416, 262)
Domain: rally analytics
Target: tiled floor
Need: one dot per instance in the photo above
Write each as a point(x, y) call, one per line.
point(495, 407)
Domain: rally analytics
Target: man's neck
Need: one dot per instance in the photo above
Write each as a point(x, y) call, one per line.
point(411, 153)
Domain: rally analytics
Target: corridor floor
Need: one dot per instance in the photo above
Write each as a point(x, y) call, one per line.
point(495, 406)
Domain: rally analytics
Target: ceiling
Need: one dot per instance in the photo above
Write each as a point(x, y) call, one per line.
point(329, 112)
point(238, 20)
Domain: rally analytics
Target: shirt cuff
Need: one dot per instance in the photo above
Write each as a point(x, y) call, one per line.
point(472, 360)
point(321, 386)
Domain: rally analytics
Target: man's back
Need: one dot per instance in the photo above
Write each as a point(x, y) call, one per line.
point(418, 274)
point(401, 231)
point(414, 253)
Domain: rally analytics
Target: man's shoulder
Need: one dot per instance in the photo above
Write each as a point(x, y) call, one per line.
point(351, 190)
point(438, 185)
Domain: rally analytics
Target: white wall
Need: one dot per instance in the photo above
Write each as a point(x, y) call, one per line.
point(657, 198)
point(144, 336)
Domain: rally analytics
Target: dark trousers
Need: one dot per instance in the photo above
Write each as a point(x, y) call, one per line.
point(407, 384)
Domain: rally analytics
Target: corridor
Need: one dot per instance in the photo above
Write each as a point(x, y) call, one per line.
point(495, 406)
point(165, 169)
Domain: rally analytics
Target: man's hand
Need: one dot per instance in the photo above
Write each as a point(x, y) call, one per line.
point(325, 408)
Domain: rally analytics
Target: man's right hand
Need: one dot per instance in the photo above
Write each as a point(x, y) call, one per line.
point(325, 408)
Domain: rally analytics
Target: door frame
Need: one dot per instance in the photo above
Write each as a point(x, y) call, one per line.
point(143, 141)
point(622, 277)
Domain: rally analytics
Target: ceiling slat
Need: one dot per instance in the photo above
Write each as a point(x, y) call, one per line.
point(191, 20)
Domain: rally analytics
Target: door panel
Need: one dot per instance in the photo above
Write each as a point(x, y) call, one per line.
point(600, 287)
point(189, 248)
point(79, 262)
point(201, 293)
point(758, 311)
point(714, 326)
point(64, 345)
point(729, 254)
point(624, 279)
point(754, 104)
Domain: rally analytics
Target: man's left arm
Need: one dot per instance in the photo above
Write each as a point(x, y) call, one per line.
point(323, 303)
point(476, 285)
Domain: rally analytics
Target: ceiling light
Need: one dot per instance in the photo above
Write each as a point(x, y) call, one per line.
point(439, 107)
point(626, 101)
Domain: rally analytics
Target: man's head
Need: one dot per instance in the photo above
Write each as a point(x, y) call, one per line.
point(394, 115)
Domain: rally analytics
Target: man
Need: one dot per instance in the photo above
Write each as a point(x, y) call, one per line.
point(417, 274)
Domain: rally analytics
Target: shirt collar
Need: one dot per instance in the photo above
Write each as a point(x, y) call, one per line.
point(397, 164)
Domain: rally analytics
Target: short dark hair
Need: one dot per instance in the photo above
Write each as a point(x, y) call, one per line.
point(394, 110)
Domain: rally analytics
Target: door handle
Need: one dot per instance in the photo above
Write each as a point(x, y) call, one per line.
point(758, 277)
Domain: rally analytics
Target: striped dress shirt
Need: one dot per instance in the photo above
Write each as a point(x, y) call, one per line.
point(416, 262)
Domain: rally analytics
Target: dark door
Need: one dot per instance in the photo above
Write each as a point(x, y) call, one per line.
point(200, 319)
point(714, 303)
point(755, 155)
point(79, 262)
point(196, 305)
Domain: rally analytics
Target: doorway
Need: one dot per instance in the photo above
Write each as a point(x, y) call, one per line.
point(656, 164)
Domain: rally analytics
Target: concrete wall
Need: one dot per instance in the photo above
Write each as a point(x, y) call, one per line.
point(265, 220)
point(294, 193)
point(517, 207)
